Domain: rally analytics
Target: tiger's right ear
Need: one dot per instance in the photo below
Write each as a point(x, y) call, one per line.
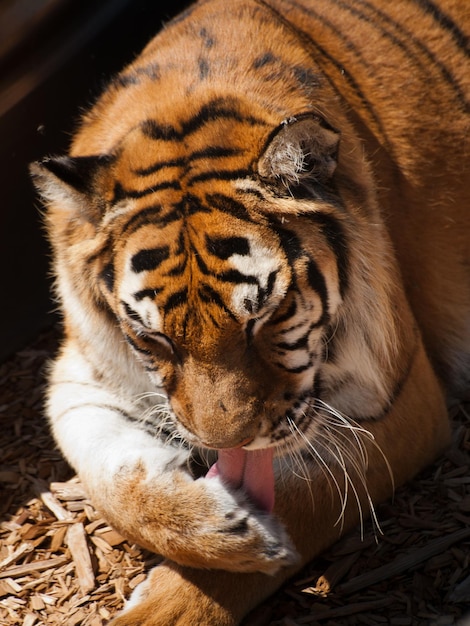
point(302, 151)
point(71, 183)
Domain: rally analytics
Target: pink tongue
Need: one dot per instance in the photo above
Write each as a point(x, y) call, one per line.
point(252, 470)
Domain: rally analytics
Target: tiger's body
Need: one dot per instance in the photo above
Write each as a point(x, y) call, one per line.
point(261, 242)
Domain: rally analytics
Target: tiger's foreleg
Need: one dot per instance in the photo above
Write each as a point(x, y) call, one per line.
point(314, 512)
point(143, 485)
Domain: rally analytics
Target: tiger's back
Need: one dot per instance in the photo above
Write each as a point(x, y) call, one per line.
point(261, 243)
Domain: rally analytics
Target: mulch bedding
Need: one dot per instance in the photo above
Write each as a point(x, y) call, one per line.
point(61, 564)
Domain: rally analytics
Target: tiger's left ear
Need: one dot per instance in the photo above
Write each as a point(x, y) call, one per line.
point(301, 150)
point(71, 183)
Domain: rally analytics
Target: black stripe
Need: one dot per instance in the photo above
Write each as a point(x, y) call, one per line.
point(271, 282)
point(336, 239)
point(305, 76)
point(290, 312)
point(154, 214)
point(204, 68)
point(181, 243)
point(134, 76)
point(278, 69)
point(191, 205)
point(218, 175)
point(293, 250)
point(266, 58)
point(227, 204)
point(174, 215)
point(250, 191)
point(200, 262)
point(147, 215)
point(461, 39)
point(212, 152)
point(206, 153)
point(175, 300)
point(107, 275)
point(224, 247)
point(214, 322)
point(317, 283)
point(250, 325)
point(295, 370)
point(136, 347)
point(122, 194)
point(334, 233)
point(210, 296)
point(218, 108)
point(126, 79)
point(264, 293)
point(307, 41)
point(149, 259)
point(163, 132)
point(318, 388)
point(208, 39)
point(131, 313)
point(160, 165)
point(234, 276)
point(178, 269)
point(406, 45)
point(302, 342)
point(289, 241)
point(147, 293)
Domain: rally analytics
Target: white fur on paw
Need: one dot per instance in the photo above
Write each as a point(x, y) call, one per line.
point(239, 521)
point(139, 594)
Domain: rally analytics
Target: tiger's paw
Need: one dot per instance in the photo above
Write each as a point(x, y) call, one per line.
point(202, 523)
point(243, 538)
point(226, 531)
point(199, 523)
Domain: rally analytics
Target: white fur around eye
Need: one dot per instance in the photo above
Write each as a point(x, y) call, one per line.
point(262, 264)
point(149, 313)
point(245, 300)
point(146, 307)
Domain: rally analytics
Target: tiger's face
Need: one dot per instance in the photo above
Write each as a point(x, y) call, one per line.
point(223, 298)
point(226, 319)
point(225, 269)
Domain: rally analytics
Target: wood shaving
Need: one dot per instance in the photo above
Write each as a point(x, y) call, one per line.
point(61, 563)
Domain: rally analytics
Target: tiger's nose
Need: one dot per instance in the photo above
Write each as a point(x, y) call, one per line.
point(242, 443)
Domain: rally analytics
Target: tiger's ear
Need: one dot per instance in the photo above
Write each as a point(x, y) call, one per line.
point(301, 151)
point(71, 183)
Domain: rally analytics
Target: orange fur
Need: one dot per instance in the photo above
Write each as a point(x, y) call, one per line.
point(325, 142)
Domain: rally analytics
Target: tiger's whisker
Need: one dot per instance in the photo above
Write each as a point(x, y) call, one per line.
point(345, 460)
point(318, 457)
point(359, 466)
point(331, 437)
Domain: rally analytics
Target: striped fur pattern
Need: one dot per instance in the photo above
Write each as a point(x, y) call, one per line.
point(261, 239)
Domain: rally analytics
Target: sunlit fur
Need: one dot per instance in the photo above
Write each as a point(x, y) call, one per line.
point(261, 239)
point(340, 441)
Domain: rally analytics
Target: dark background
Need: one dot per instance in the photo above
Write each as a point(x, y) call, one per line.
point(55, 59)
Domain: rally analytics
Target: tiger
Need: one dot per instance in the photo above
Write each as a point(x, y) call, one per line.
point(260, 241)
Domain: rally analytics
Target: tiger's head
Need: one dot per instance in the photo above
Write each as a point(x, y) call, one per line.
point(234, 260)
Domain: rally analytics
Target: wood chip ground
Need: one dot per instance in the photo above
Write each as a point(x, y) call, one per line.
point(61, 564)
